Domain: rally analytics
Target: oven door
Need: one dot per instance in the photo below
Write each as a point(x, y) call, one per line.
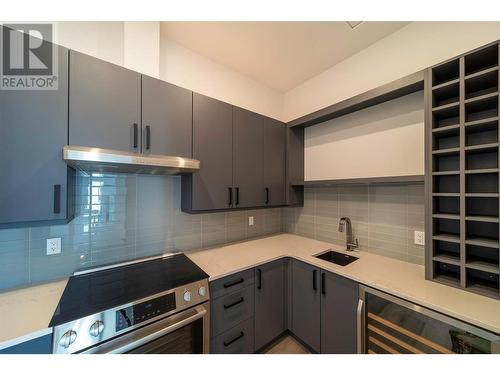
point(186, 332)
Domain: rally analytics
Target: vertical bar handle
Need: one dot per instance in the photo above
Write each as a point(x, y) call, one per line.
point(237, 196)
point(259, 273)
point(136, 134)
point(267, 195)
point(315, 286)
point(323, 281)
point(230, 190)
point(359, 327)
point(57, 199)
point(148, 137)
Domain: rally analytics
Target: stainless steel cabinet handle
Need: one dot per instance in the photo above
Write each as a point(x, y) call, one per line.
point(359, 326)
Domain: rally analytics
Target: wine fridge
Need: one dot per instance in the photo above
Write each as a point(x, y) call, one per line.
point(390, 325)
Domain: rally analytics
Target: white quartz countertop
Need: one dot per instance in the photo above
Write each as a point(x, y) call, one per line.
point(27, 312)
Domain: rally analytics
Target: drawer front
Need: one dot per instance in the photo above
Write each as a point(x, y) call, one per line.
point(232, 309)
point(231, 283)
point(237, 340)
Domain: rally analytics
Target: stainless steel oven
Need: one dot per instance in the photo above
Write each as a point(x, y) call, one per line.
point(159, 305)
point(186, 332)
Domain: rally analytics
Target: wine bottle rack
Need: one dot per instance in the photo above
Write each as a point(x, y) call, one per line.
point(462, 172)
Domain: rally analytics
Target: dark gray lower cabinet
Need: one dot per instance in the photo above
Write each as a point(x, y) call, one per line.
point(306, 304)
point(236, 340)
point(270, 297)
point(36, 186)
point(339, 301)
point(39, 345)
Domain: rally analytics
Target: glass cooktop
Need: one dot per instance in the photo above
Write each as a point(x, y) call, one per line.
point(90, 293)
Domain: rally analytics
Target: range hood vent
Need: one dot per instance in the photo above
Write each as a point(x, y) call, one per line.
point(91, 159)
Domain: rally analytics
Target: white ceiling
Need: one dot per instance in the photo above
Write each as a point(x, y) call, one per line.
point(281, 55)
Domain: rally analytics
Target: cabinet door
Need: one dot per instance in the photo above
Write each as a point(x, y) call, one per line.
point(39, 345)
point(306, 304)
point(33, 131)
point(166, 118)
point(248, 159)
point(210, 188)
point(339, 301)
point(269, 302)
point(104, 104)
point(274, 162)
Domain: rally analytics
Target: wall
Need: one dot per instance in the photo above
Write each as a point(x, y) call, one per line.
point(345, 147)
point(383, 217)
point(122, 217)
point(195, 72)
point(408, 50)
point(139, 46)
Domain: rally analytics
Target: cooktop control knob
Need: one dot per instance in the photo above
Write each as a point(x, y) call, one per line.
point(96, 328)
point(202, 291)
point(67, 339)
point(187, 296)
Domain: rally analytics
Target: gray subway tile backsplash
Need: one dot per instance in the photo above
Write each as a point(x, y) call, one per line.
point(383, 217)
point(122, 217)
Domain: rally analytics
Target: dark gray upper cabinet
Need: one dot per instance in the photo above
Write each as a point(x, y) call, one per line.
point(248, 175)
point(306, 304)
point(166, 118)
point(270, 311)
point(104, 104)
point(274, 162)
point(339, 300)
point(35, 183)
point(211, 187)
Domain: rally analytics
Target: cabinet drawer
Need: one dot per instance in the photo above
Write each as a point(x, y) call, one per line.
point(231, 283)
point(237, 340)
point(232, 309)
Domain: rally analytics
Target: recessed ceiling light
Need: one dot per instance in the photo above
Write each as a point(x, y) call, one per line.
point(354, 24)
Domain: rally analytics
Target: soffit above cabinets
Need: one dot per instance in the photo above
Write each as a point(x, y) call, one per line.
point(280, 55)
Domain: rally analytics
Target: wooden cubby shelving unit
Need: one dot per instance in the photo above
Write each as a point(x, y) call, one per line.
point(462, 172)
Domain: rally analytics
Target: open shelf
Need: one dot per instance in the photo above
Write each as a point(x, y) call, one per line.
point(481, 84)
point(446, 94)
point(446, 115)
point(481, 60)
point(481, 206)
point(481, 182)
point(446, 183)
point(479, 256)
point(483, 282)
point(446, 250)
point(481, 157)
point(445, 72)
point(447, 273)
point(446, 205)
point(481, 108)
point(462, 116)
point(482, 133)
point(447, 161)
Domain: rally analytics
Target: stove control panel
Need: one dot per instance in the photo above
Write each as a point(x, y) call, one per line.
point(141, 312)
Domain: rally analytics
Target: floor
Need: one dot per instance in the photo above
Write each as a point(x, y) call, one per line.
point(287, 345)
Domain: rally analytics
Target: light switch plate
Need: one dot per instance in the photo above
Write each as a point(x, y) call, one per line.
point(53, 246)
point(419, 237)
point(250, 220)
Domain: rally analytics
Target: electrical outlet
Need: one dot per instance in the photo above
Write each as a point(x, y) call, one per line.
point(53, 246)
point(250, 221)
point(419, 237)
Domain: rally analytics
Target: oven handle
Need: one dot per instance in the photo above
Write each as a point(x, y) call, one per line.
point(200, 312)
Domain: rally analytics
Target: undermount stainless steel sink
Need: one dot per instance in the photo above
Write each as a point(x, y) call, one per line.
point(336, 257)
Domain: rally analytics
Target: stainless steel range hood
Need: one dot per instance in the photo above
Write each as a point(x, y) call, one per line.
point(92, 159)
